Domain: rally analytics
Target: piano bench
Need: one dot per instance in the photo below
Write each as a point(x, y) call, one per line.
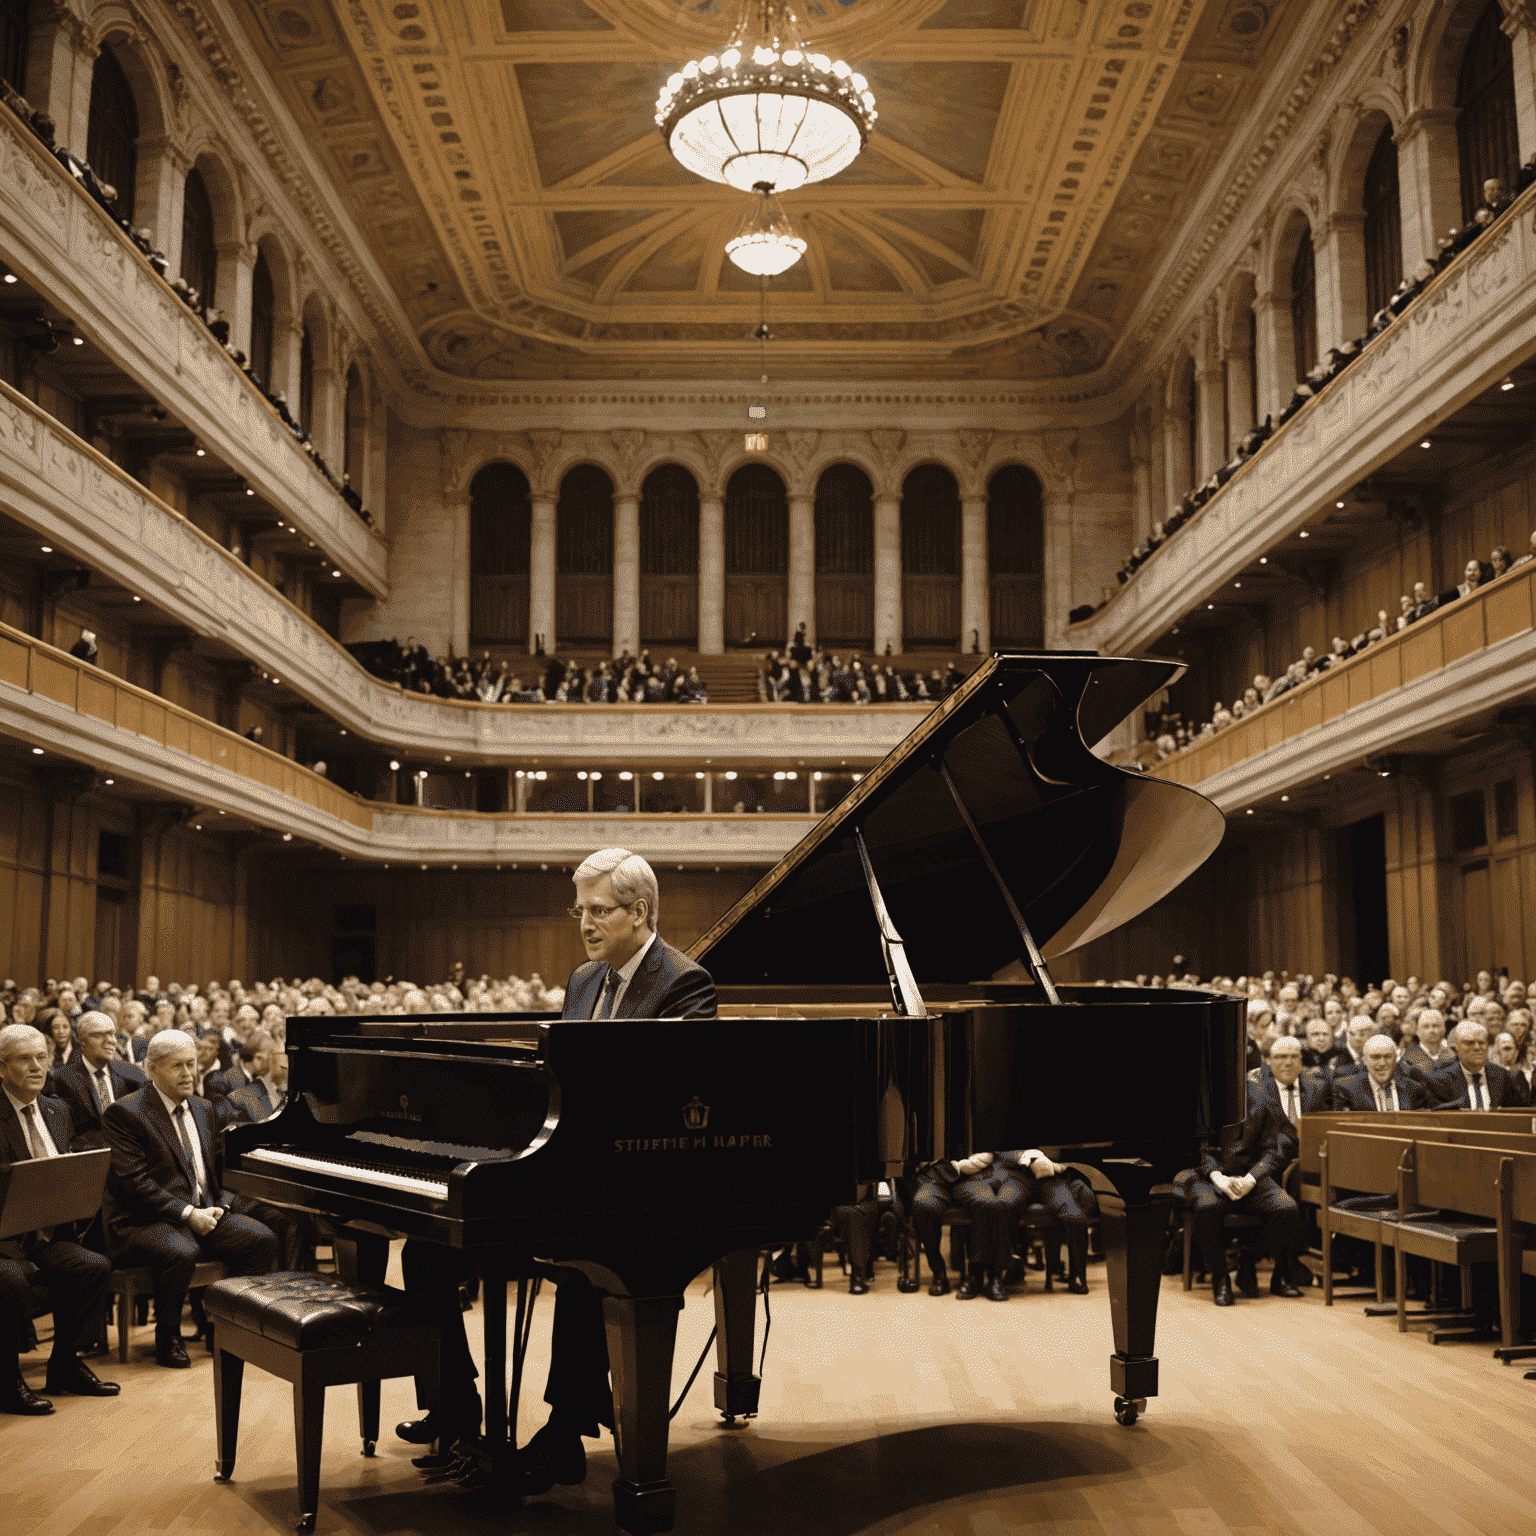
point(314, 1331)
point(127, 1286)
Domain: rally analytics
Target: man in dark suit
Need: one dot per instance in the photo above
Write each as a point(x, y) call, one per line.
point(33, 1125)
point(1383, 1085)
point(1472, 1081)
point(1242, 1175)
point(165, 1207)
point(1319, 1050)
point(94, 1079)
point(252, 1062)
point(631, 972)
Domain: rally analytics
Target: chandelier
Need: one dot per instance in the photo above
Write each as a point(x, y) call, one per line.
point(765, 244)
point(765, 110)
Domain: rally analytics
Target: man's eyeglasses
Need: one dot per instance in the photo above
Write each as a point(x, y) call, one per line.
point(597, 914)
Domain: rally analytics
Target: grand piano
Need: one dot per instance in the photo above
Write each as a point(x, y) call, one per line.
point(885, 1001)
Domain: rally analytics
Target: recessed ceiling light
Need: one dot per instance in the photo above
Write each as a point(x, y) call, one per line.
point(1505, 383)
point(287, 837)
point(1209, 607)
point(1237, 583)
point(1284, 798)
point(47, 549)
point(249, 491)
point(394, 766)
point(37, 751)
point(1425, 443)
point(335, 573)
point(79, 341)
point(1263, 559)
point(1338, 503)
point(10, 277)
point(1305, 534)
point(202, 453)
point(1250, 810)
point(108, 781)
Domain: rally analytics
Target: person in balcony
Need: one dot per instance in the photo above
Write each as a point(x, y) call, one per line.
point(84, 649)
point(1471, 578)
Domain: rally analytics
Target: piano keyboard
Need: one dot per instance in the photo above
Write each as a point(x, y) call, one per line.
point(436, 1189)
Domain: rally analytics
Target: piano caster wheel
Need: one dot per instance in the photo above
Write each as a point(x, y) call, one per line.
point(1128, 1409)
point(368, 1447)
point(907, 1287)
point(729, 1420)
point(304, 1525)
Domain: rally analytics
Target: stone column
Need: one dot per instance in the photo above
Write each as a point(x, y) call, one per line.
point(1141, 494)
point(1210, 398)
point(975, 592)
point(801, 598)
point(325, 412)
point(456, 520)
point(1239, 398)
point(1276, 361)
point(58, 69)
point(1429, 180)
point(626, 573)
point(237, 263)
point(887, 573)
point(159, 186)
point(541, 574)
point(1157, 460)
point(1341, 307)
point(287, 343)
point(1175, 458)
point(1521, 27)
point(712, 576)
point(1058, 584)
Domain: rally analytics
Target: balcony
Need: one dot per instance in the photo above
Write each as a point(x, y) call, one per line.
point(63, 708)
point(1468, 328)
point(1461, 663)
point(67, 247)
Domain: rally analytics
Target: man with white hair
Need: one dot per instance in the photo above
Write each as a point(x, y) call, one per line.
point(631, 971)
point(35, 1125)
point(94, 1078)
point(164, 1205)
point(1383, 1085)
point(1472, 1081)
point(1429, 1050)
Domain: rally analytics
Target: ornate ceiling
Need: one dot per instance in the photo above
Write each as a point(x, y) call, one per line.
point(1032, 161)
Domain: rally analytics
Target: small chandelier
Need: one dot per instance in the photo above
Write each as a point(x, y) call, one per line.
point(765, 244)
point(765, 110)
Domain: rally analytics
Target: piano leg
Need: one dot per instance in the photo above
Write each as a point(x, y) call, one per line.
point(1135, 1236)
point(736, 1388)
point(494, 1296)
point(641, 1334)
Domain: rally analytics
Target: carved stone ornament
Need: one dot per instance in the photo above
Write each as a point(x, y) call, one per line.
point(887, 442)
point(715, 445)
point(628, 444)
point(454, 443)
point(1060, 445)
point(545, 445)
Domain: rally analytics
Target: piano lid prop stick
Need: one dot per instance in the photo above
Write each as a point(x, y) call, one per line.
point(1032, 956)
point(904, 994)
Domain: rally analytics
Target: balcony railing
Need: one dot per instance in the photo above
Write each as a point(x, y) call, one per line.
point(1465, 659)
point(55, 235)
point(1468, 327)
point(70, 709)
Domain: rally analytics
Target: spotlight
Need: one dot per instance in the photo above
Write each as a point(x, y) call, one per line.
point(79, 341)
point(1250, 810)
point(1505, 383)
point(1425, 443)
point(658, 776)
point(137, 598)
point(202, 453)
point(1338, 503)
point(108, 781)
point(249, 491)
point(10, 277)
point(37, 751)
point(394, 767)
point(1263, 559)
point(47, 549)
point(1305, 534)
point(335, 573)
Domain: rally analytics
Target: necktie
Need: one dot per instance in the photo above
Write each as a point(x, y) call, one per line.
point(35, 1133)
point(610, 991)
point(1384, 1099)
point(1477, 1092)
point(103, 1088)
point(1292, 1108)
point(186, 1146)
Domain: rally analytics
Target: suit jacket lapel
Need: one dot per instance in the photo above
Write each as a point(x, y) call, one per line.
point(161, 1119)
point(15, 1140)
point(58, 1120)
point(641, 984)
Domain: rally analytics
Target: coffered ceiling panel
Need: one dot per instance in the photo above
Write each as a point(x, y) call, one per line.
point(1031, 160)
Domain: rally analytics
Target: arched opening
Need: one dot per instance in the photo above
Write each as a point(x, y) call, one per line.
point(500, 529)
point(756, 557)
point(1383, 225)
point(355, 417)
point(306, 380)
point(584, 558)
point(1487, 129)
point(199, 255)
point(845, 558)
point(1016, 557)
point(263, 319)
point(930, 559)
point(112, 130)
point(14, 24)
point(1304, 306)
point(669, 557)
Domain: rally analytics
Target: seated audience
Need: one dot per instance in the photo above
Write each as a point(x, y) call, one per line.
point(94, 1080)
point(1472, 1081)
point(1382, 1085)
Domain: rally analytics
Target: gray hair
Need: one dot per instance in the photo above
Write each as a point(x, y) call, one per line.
point(1285, 1040)
point(165, 1043)
point(1376, 1040)
point(633, 879)
point(94, 1020)
point(1463, 1031)
point(14, 1036)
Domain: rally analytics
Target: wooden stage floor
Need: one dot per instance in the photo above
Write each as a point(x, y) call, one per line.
point(884, 1415)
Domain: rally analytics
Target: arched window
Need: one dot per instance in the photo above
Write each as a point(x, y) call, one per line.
point(263, 319)
point(14, 23)
point(199, 259)
point(845, 558)
point(930, 559)
point(584, 558)
point(500, 526)
point(112, 131)
point(669, 557)
point(355, 414)
point(1015, 557)
point(1487, 132)
point(756, 557)
point(1304, 307)
point(1383, 225)
point(306, 380)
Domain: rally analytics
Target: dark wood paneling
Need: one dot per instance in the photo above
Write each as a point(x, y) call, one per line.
point(845, 611)
point(584, 523)
point(1383, 224)
point(498, 609)
point(756, 523)
point(930, 611)
point(584, 609)
point(1015, 612)
point(669, 610)
point(669, 523)
point(755, 608)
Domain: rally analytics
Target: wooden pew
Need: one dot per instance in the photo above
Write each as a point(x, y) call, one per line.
point(1366, 1169)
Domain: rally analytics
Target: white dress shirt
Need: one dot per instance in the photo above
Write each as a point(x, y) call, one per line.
point(1385, 1095)
point(1290, 1100)
point(172, 1108)
point(1477, 1095)
point(101, 1086)
point(626, 975)
point(29, 1124)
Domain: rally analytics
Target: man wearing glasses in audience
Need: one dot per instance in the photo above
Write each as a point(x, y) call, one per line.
point(631, 972)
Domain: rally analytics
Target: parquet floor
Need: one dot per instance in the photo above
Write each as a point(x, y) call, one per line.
point(887, 1415)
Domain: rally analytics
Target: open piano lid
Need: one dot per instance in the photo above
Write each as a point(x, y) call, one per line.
point(1083, 846)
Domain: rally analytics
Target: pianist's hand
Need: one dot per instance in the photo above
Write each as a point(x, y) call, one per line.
point(204, 1221)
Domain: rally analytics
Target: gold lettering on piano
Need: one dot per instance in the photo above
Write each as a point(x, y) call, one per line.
point(690, 1143)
